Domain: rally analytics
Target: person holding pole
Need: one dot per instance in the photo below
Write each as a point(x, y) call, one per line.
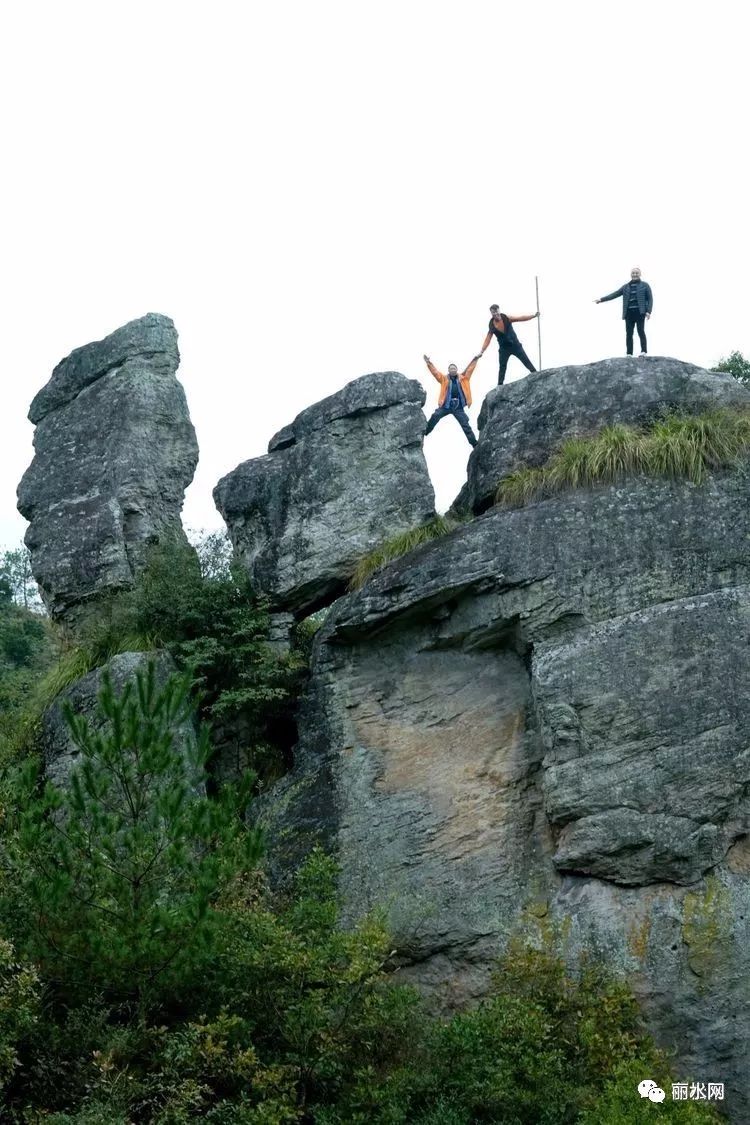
point(637, 303)
point(501, 326)
point(454, 396)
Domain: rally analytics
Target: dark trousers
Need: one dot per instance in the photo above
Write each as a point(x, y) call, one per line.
point(461, 417)
point(634, 319)
point(506, 353)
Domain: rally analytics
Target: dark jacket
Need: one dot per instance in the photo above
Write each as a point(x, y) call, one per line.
point(644, 294)
point(508, 338)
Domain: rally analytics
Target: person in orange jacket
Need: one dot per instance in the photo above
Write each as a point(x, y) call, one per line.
point(454, 397)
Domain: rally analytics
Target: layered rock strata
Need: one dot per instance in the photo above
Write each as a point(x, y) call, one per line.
point(114, 452)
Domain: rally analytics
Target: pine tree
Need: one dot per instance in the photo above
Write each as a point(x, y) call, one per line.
point(119, 871)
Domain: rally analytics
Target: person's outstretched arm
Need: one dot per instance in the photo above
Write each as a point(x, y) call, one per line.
point(486, 343)
point(468, 371)
point(649, 300)
point(528, 316)
point(433, 369)
point(610, 296)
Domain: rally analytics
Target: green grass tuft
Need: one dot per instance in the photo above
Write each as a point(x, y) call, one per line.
point(677, 446)
point(73, 663)
point(400, 545)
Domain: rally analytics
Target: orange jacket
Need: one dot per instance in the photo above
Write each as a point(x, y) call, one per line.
point(464, 379)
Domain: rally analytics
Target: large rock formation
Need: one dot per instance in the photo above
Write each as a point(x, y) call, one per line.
point(538, 726)
point(346, 474)
point(115, 451)
point(521, 422)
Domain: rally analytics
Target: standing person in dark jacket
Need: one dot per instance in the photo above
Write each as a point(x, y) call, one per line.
point(637, 303)
point(454, 396)
point(501, 326)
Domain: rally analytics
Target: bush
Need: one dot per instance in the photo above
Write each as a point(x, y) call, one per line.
point(676, 446)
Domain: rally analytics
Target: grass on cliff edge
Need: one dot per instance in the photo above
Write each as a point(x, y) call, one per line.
point(399, 545)
point(677, 446)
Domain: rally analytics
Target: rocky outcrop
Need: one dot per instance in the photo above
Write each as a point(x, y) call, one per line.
point(537, 727)
point(521, 423)
point(57, 746)
point(114, 452)
point(346, 474)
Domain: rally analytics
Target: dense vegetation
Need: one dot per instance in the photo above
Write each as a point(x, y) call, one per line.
point(201, 610)
point(27, 646)
point(678, 446)
point(149, 974)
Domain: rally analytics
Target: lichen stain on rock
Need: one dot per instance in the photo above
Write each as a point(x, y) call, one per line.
point(639, 933)
point(706, 927)
point(457, 744)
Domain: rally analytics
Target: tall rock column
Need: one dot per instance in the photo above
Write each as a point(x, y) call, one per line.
point(114, 452)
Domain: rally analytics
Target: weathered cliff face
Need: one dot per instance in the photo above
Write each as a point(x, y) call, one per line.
point(538, 726)
point(114, 452)
point(346, 473)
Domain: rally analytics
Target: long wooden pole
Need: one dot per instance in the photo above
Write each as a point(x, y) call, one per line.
point(538, 323)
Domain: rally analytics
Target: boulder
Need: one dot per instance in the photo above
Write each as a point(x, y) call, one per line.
point(114, 452)
point(58, 749)
point(347, 473)
point(522, 423)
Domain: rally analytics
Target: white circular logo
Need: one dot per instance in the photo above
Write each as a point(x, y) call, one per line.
point(648, 1089)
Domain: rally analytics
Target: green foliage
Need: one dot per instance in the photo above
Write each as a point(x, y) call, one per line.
point(618, 1105)
point(19, 1008)
point(217, 630)
point(293, 1019)
point(735, 364)
point(400, 545)
point(205, 614)
point(159, 980)
point(291, 1013)
point(214, 552)
point(114, 877)
point(337, 1020)
point(26, 650)
point(676, 446)
point(17, 581)
point(544, 1049)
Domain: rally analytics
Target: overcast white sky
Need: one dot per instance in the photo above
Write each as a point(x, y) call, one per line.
point(313, 191)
